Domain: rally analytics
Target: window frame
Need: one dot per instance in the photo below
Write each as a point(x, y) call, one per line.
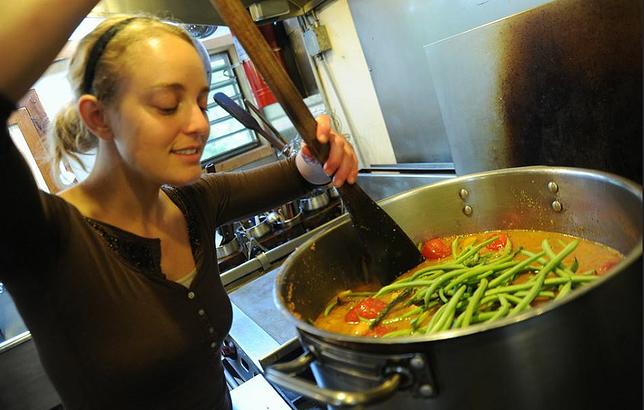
point(239, 97)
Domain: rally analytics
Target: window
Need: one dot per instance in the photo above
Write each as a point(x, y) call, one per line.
point(228, 137)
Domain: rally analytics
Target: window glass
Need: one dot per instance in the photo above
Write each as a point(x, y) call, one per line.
point(227, 136)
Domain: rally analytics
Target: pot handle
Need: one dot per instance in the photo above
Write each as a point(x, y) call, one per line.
point(284, 374)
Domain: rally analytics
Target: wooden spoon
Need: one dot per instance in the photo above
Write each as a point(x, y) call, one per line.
point(389, 251)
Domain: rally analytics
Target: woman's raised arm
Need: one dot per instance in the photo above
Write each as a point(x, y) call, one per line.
point(32, 32)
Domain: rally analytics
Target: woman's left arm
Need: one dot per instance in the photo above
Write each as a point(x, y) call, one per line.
point(238, 194)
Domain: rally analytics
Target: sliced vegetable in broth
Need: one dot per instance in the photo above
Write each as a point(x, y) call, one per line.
point(470, 279)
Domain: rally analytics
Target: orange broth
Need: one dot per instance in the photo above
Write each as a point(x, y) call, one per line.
point(590, 256)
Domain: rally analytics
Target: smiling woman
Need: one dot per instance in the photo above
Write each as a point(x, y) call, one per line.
point(117, 276)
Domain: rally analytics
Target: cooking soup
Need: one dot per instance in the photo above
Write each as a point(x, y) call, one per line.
point(470, 279)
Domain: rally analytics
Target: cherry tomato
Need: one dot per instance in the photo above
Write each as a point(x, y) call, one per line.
point(368, 308)
point(499, 243)
point(435, 249)
point(606, 266)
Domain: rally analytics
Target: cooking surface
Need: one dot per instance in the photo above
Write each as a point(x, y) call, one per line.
point(256, 300)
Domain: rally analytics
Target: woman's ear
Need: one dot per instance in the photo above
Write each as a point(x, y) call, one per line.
point(94, 116)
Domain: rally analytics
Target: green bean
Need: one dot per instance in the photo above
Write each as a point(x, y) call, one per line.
point(445, 321)
point(441, 295)
point(482, 317)
point(381, 315)
point(397, 333)
point(513, 271)
point(548, 282)
point(488, 298)
point(541, 277)
point(543, 293)
point(474, 302)
point(563, 271)
point(419, 319)
point(574, 266)
point(351, 294)
point(480, 277)
point(393, 320)
point(331, 305)
point(396, 285)
point(565, 290)
point(408, 314)
point(534, 290)
point(476, 271)
point(472, 260)
point(475, 249)
point(444, 266)
point(459, 320)
point(455, 248)
point(428, 275)
point(412, 312)
point(439, 281)
point(559, 271)
point(508, 289)
point(435, 318)
point(574, 279)
point(503, 310)
point(507, 253)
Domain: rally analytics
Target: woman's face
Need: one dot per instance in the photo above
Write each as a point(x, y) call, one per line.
point(159, 122)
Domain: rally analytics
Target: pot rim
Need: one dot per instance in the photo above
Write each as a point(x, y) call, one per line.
point(630, 258)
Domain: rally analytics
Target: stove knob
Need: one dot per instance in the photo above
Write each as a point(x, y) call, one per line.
point(228, 349)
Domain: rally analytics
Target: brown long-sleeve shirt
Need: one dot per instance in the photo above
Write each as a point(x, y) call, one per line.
point(111, 331)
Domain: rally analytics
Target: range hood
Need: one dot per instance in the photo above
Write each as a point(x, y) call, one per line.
point(202, 12)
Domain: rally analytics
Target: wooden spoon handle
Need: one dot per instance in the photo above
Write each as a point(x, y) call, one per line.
point(237, 18)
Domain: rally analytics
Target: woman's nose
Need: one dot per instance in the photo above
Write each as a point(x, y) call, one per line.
point(198, 123)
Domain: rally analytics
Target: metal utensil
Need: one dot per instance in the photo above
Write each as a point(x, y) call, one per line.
point(266, 122)
point(246, 119)
point(388, 250)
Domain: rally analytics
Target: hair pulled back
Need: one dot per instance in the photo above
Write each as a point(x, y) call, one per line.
point(68, 135)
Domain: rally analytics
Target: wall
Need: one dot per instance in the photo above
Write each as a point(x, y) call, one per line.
point(348, 71)
point(392, 34)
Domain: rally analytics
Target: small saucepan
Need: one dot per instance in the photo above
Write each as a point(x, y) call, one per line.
point(318, 199)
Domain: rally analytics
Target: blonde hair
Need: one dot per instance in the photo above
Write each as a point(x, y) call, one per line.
point(68, 136)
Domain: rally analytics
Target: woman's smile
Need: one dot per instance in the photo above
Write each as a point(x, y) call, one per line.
point(189, 154)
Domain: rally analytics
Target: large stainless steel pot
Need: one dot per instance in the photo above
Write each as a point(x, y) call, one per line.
point(582, 352)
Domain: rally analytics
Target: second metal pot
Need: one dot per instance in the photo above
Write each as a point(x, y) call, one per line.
point(317, 200)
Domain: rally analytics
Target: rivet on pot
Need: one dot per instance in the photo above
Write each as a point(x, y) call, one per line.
point(556, 206)
point(426, 390)
point(417, 362)
point(467, 210)
point(463, 193)
point(553, 187)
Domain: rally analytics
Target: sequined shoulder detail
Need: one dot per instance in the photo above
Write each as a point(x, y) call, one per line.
point(143, 254)
point(177, 196)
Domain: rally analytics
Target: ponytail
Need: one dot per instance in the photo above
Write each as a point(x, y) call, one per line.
point(69, 137)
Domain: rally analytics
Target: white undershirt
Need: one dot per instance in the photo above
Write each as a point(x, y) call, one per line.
point(187, 280)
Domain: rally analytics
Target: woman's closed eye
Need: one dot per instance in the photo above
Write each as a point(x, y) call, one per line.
point(168, 110)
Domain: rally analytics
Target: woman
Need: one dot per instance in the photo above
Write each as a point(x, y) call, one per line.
point(117, 277)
